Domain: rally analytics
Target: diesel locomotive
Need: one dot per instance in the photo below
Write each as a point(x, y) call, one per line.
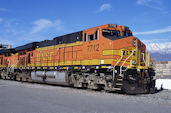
point(106, 57)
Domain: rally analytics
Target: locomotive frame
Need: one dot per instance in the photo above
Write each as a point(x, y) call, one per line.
point(106, 57)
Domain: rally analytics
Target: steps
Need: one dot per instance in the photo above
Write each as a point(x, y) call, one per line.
point(117, 89)
point(119, 83)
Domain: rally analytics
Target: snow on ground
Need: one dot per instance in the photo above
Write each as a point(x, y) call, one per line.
point(163, 83)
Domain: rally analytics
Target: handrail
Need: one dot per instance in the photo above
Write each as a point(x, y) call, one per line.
point(116, 64)
point(144, 59)
point(126, 60)
point(13, 66)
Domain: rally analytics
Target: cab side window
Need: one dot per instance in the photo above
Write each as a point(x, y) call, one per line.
point(85, 37)
point(94, 36)
point(91, 37)
point(125, 34)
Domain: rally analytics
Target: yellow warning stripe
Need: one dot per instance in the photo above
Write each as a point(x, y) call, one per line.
point(59, 46)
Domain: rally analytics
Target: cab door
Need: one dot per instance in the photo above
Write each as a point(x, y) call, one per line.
point(91, 48)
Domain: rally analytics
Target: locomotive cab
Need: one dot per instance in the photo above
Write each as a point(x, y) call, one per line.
point(125, 55)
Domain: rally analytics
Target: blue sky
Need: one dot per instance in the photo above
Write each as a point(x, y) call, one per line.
point(24, 21)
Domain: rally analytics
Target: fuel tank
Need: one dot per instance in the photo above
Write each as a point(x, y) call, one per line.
point(51, 77)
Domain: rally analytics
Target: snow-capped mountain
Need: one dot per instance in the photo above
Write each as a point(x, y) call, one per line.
point(162, 48)
point(160, 51)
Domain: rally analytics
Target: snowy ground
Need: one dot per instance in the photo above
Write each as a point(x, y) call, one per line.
point(163, 83)
point(16, 97)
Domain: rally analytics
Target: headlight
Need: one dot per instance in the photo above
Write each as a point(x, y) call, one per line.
point(134, 42)
point(134, 62)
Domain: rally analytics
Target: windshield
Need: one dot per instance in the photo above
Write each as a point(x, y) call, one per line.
point(111, 34)
point(126, 34)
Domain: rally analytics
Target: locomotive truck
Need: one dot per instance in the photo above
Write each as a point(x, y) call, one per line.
point(106, 57)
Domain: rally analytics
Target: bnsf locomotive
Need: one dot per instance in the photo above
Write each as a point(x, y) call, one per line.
point(107, 57)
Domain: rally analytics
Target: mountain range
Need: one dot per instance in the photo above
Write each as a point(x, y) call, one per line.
point(160, 51)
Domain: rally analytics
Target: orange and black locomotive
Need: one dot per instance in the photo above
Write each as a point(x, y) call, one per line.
point(106, 57)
